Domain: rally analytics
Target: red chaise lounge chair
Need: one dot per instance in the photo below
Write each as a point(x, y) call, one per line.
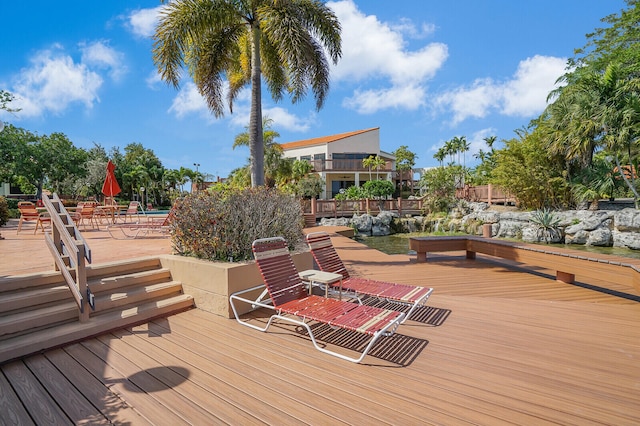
point(328, 260)
point(292, 302)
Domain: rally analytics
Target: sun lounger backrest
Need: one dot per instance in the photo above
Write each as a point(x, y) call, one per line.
point(325, 254)
point(278, 271)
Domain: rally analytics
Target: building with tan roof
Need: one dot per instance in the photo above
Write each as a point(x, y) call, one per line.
point(338, 158)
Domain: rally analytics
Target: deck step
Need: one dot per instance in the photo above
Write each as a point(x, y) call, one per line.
point(136, 294)
point(122, 268)
point(21, 299)
point(37, 318)
point(113, 283)
point(40, 340)
point(38, 311)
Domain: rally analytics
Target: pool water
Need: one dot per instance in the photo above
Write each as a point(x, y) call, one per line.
point(399, 244)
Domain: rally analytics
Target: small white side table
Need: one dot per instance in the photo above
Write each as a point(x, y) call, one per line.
point(321, 277)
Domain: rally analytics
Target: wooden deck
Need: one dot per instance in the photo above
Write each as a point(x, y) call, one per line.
point(495, 345)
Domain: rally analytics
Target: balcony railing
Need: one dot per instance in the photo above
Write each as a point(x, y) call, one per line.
point(345, 208)
point(346, 165)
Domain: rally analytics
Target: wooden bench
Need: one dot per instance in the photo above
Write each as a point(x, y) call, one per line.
point(567, 263)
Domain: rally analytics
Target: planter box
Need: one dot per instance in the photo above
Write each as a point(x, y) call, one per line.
point(211, 283)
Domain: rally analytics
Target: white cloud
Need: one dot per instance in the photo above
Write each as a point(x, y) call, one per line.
point(400, 97)
point(99, 55)
point(53, 82)
point(143, 22)
point(524, 95)
point(374, 50)
point(189, 101)
point(154, 81)
point(283, 119)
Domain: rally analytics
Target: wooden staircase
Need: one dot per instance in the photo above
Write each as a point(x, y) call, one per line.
point(38, 311)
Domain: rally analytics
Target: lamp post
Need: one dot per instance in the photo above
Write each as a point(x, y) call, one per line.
point(197, 176)
point(142, 196)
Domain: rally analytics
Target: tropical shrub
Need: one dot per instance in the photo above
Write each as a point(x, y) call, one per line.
point(526, 168)
point(546, 223)
point(379, 190)
point(439, 186)
point(221, 224)
point(309, 186)
point(4, 211)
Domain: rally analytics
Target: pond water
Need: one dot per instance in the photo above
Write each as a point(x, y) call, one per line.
point(399, 244)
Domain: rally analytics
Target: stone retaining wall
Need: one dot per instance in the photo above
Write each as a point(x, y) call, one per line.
point(605, 228)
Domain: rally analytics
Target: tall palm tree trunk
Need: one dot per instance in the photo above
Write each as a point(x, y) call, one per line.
point(256, 146)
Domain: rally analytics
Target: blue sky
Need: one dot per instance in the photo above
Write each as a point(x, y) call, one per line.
point(422, 71)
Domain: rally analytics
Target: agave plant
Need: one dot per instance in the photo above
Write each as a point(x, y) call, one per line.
point(547, 223)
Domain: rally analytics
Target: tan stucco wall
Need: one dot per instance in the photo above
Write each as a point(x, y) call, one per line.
point(211, 283)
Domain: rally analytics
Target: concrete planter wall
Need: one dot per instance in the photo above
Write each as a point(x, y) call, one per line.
point(211, 283)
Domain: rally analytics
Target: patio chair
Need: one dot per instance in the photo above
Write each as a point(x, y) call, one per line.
point(28, 213)
point(43, 218)
point(132, 210)
point(87, 213)
point(291, 301)
point(137, 229)
point(328, 260)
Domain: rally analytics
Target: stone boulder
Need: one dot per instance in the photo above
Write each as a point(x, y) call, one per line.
point(600, 237)
point(362, 224)
point(626, 239)
point(627, 220)
point(578, 237)
point(535, 234)
point(338, 221)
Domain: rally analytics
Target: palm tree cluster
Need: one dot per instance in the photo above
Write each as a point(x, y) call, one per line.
point(452, 149)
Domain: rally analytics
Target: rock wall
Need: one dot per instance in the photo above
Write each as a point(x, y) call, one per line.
point(606, 228)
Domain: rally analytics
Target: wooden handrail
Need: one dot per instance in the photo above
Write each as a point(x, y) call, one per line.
point(66, 242)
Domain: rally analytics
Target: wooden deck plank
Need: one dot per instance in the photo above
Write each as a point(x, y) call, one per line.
point(173, 374)
point(187, 410)
point(384, 400)
point(42, 409)
point(148, 407)
point(250, 391)
point(13, 411)
point(284, 380)
point(110, 404)
point(70, 400)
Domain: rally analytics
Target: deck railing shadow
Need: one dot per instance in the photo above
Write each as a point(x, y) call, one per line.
point(427, 315)
point(398, 349)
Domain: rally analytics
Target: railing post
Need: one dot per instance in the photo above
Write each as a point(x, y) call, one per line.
point(489, 189)
point(81, 281)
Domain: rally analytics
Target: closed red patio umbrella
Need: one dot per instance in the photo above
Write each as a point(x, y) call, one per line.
point(110, 187)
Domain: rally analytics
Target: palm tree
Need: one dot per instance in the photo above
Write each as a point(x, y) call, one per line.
point(272, 150)
point(439, 155)
point(369, 163)
point(463, 147)
point(596, 110)
point(284, 42)
point(377, 163)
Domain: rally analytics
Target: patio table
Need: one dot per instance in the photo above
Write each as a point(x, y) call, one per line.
point(321, 277)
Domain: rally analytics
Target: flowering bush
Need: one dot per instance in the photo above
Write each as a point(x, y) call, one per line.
point(221, 224)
